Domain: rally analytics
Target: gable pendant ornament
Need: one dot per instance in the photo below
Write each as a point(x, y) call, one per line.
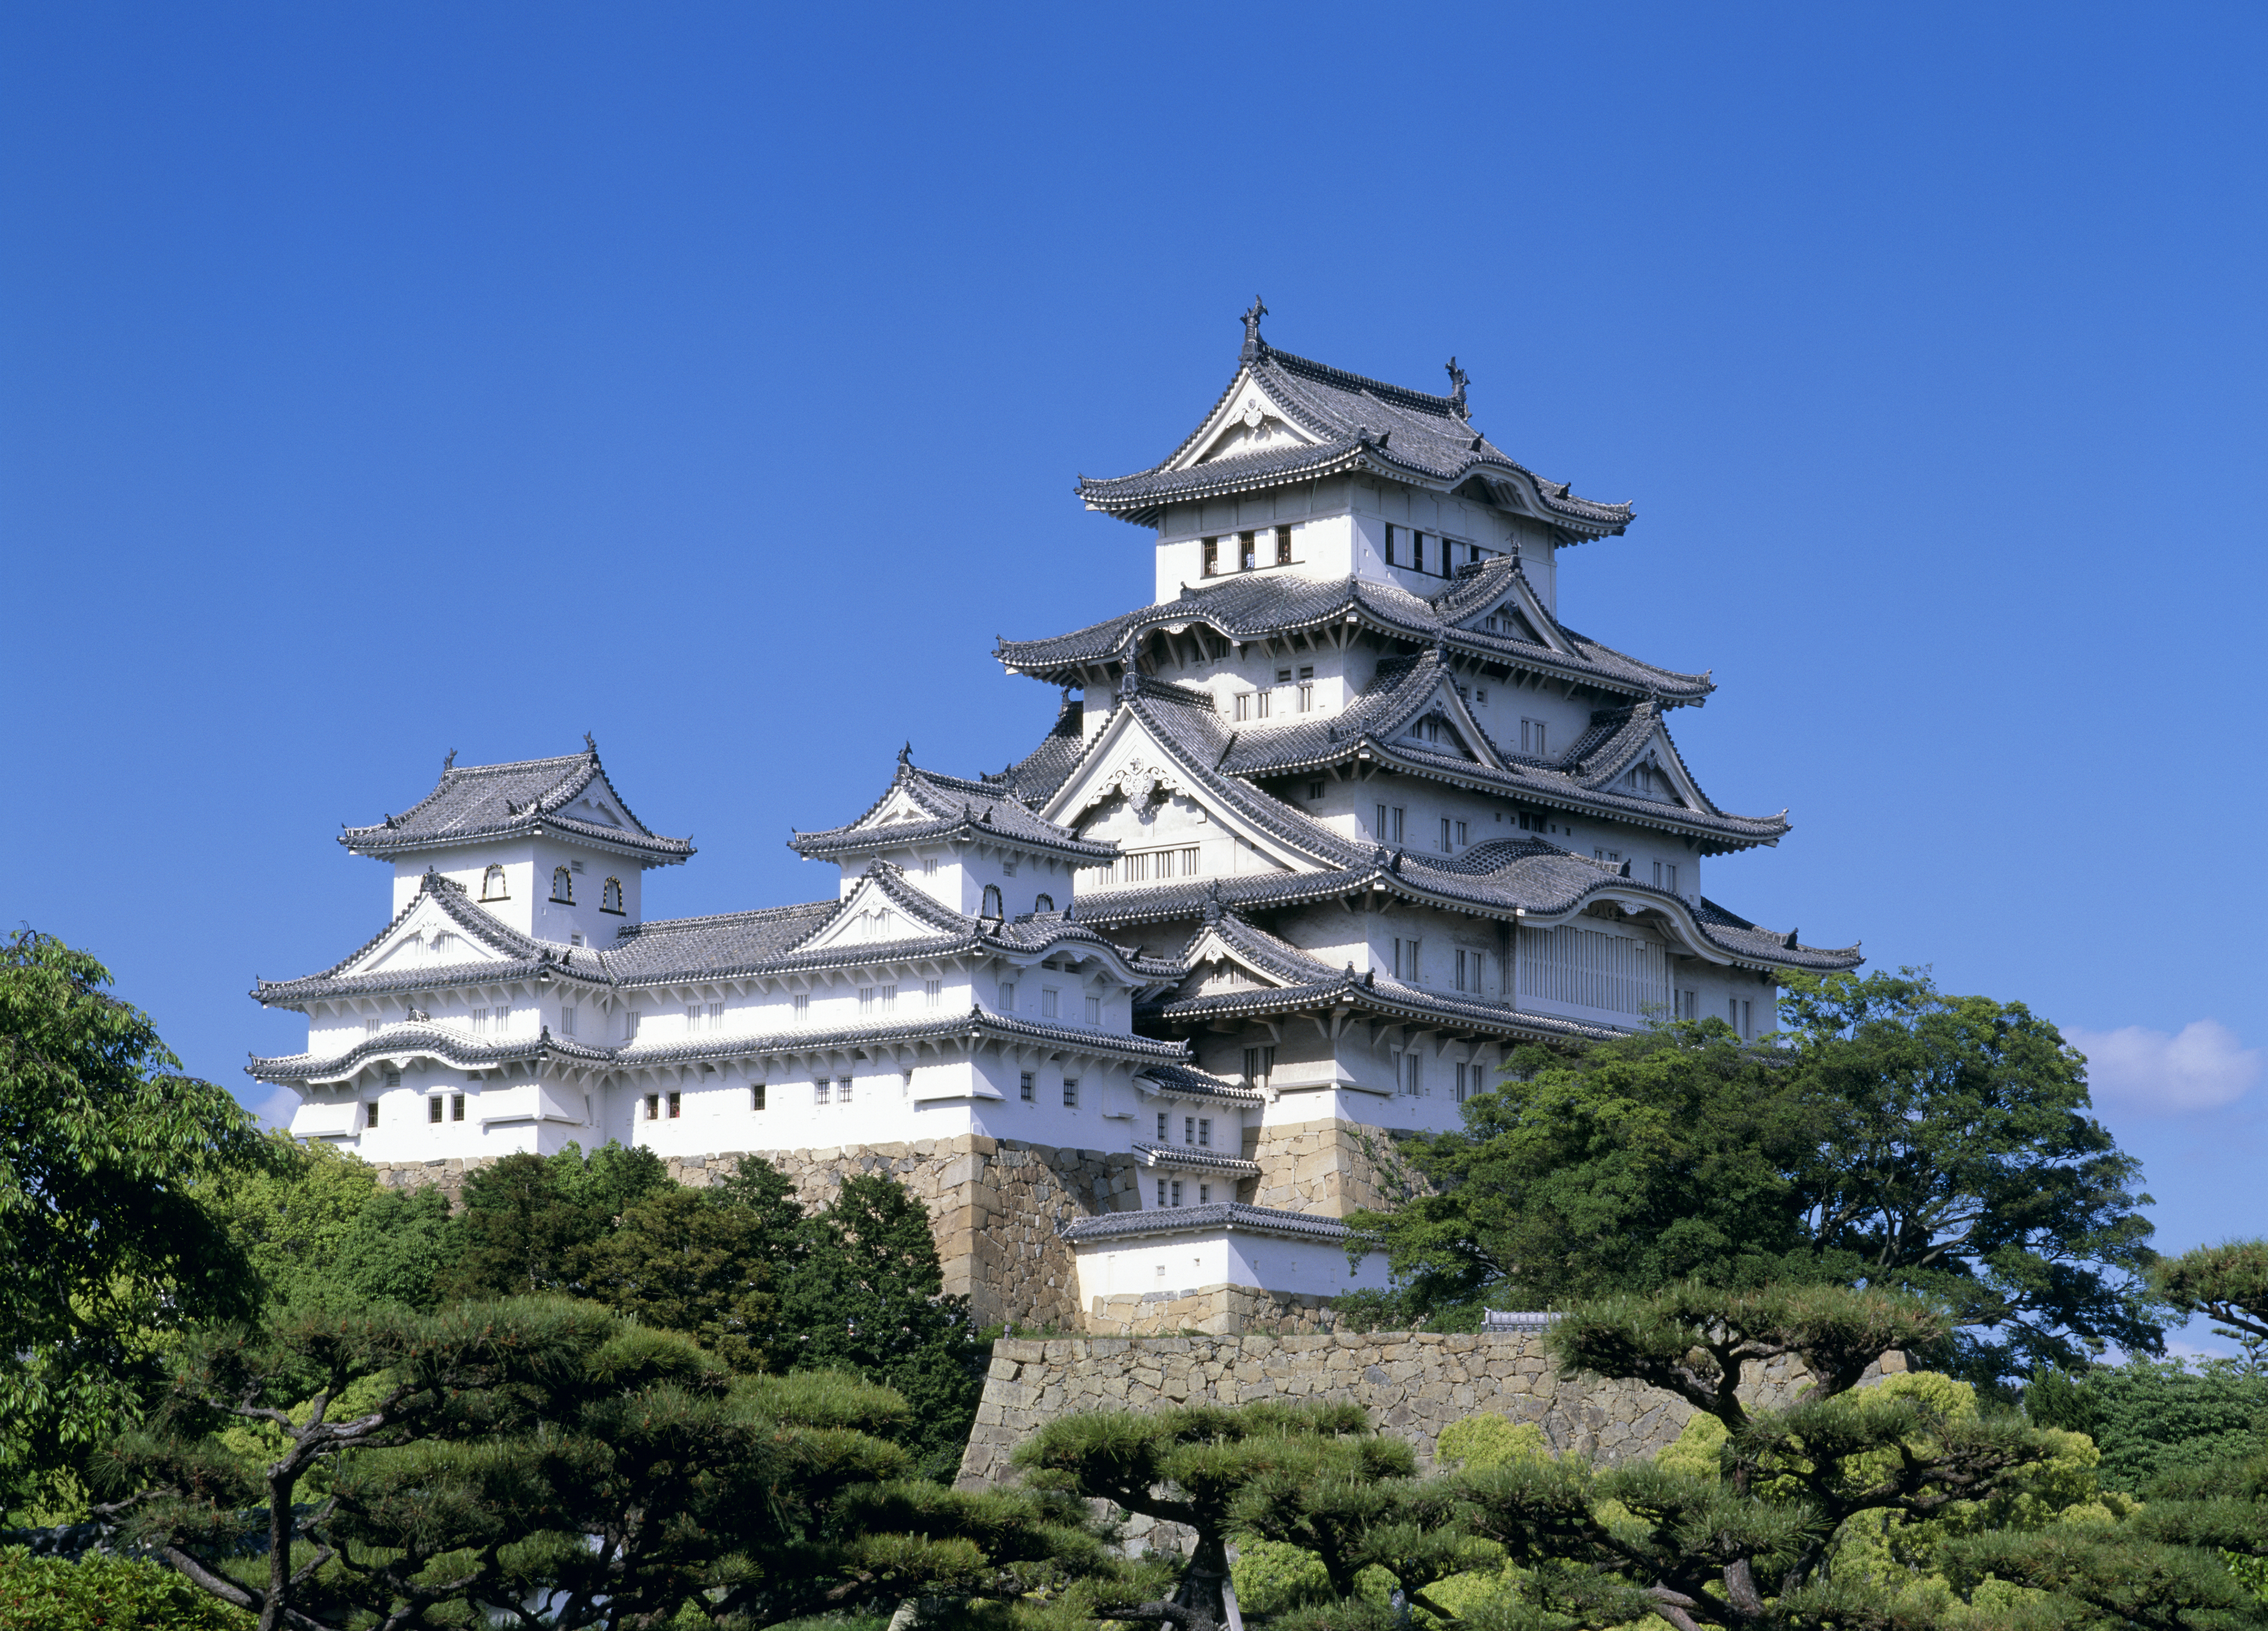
point(1141, 786)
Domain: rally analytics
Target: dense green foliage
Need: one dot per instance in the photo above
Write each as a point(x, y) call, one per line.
point(1891, 1136)
point(425, 1469)
point(103, 1593)
point(107, 1252)
point(1907, 1502)
point(2152, 1417)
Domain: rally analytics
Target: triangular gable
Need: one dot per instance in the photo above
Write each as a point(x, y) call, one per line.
point(1443, 723)
point(596, 804)
point(427, 935)
point(874, 914)
point(1517, 614)
point(1249, 420)
point(1145, 767)
point(1217, 964)
point(1656, 772)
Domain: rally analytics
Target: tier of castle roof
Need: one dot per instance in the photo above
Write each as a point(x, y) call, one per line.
point(484, 803)
point(1250, 608)
point(1355, 426)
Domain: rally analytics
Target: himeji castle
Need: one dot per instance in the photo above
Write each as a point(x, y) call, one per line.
point(1317, 836)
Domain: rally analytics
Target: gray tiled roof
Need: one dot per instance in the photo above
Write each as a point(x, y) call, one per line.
point(1034, 778)
point(480, 802)
point(453, 1047)
point(1358, 423)
point(1373, 726)
point(1186, 1081)
point(463, 1052)
point(1190, 1158)
point(1256, 606)
point(957, 809)
point(1228, 1216)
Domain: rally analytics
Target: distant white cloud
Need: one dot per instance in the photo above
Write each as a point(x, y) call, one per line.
point(2200, 1067)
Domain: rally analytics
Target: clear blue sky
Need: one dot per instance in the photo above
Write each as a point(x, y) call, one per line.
point(383, 379)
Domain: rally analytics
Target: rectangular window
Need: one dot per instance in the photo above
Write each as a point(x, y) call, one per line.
point(866, 999)
point(370, 1112)
point(1389, 543)
point(1205, 1132)
point(757, 1095)
point(653, 1107)
point(1306, 690)
point(803, 1007)
point(1389, 826)
point(1405, 959)
point(1613, 858)
point(1259, 1064)
point(929, 866)
point(1461, 1082)
point(692, 1018)
point(433, 1108)
point(1315, 791)
point(1161, 1201)
point(456, 1107)
point(392, 1078)
point(1176, 1187)
point(480, 1017)
point(1048, 999)
point(1190, 863)
point(1205, 1194)
point(630, 1025)
point(1445, 835)
point(676, 1105)
point(370, 1027)
point(1689, 1004)
point(1212, 558)
point(842, 1090)
point(1071, 1092)
point(716, 1015)
point(567, 1020)
point(819, 1091)
point(1416, 551)
point(1161, 1127)
point(1242, 709)
point(1260, 708)
point(1247, 551)
point(1283, 546)
point(1189, 1129)
point(1413, 1075)
point(1094, 1010)
point(933, 992)
point(1025, 1087)
point(1532, 738)
point(889, 998)
point(1461, 840)
point(1007, 996)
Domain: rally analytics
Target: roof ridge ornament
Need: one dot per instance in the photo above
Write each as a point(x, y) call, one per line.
point(1789, 943)
point(1212, 902)
point(1255, 347)
point(590, 744)
point(450, 762)
point(1458, 379)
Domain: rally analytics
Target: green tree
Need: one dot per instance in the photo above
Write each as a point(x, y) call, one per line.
point(527, 1219)
point(104, 1143)
point(542, 1459)
point(1891, 1136)
point(691, 1261)
point(867, 1293)
point(2227, 1283)
point(1190, 1466)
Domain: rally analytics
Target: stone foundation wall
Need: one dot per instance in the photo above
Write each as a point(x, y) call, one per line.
point(448, 1175)
point(1328, 1167)
point(1412, 1384)
point(1217, 1310)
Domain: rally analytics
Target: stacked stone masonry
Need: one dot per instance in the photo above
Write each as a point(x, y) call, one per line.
point(1412, 1384)
point(1214, 1311)
point(1329, 1168)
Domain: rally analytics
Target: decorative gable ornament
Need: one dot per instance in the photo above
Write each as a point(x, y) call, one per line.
point(1140, 784)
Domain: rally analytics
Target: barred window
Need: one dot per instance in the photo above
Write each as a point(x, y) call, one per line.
point(1025, 1087)
point(1071, 1092)
point(757, 1095)
point(934, 991)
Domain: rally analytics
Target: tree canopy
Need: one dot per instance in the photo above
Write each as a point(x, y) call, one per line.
point(103, 1143)
point(1891, 1136)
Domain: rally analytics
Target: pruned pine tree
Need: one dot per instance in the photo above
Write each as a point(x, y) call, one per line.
point(534, 1461)
point(1189, 1466)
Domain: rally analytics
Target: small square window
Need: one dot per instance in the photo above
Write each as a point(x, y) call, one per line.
point(392, 1078)
point(1071, 1091)
point(1025, 1087)
point(1314, 789)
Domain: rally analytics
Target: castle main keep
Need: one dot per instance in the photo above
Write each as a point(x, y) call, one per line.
point(1313, 839)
